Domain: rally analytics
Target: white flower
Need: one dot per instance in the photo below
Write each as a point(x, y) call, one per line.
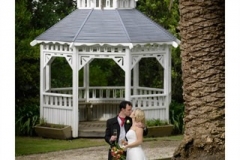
point(128, 121)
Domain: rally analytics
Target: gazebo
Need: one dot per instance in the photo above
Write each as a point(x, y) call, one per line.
point(113, 30)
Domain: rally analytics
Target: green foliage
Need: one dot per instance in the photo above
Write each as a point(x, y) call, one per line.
point(45, 13)
point(115, 76)
point(150, 73)
point(155, 122)
point(61, 73)
point(27, 58)
point(167, 15)
point(176, 117)
point(44, 123)
point(161, 13)
point(176, 74)
point(31, 19)
point(104, 73)
point(99, 72)
point(26, 118)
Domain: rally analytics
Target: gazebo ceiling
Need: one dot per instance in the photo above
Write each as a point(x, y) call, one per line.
point(94, 26)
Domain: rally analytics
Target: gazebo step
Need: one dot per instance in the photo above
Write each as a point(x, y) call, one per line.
point(89, 133)
point(92, 129)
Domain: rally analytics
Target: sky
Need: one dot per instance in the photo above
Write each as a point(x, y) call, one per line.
point(7, 79)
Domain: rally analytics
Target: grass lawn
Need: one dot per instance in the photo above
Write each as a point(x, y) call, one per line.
point(35, 145)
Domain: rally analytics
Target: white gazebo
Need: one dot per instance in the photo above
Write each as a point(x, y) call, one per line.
point(114, 30)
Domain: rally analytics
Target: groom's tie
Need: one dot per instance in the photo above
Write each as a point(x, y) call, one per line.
point(122, 120)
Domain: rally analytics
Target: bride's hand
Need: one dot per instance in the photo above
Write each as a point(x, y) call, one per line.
point(124, 142)
point(124, 148)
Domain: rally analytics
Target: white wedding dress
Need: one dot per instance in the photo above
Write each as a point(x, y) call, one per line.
point(135, 153)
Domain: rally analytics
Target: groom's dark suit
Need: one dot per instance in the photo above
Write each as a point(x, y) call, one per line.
point(113, 124)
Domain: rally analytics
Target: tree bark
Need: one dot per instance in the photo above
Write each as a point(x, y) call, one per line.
point(203, 73)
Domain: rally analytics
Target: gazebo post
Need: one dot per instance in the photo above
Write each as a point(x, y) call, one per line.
point(48, 76)
point(48, 73)
point(135, 78)
point(127, 64)
point(42, 73)
point(167, 80)
point(86, 81)
point(75, 93)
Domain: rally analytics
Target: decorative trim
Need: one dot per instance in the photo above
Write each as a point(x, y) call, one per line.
point(69, 60)
point(160, 59)
point(130, 45)
point(119, 61)
point(83, 60)
point(50, 56)
point(47, 58)
point(135, 60)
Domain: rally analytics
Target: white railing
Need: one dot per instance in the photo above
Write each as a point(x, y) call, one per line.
point(149, 101)
point(57, 108)
point(101, 103)
point(95, 94)
point(68, 90)
point(147, 90)
point(57, 100)
point(145, 96)
point(106, 94)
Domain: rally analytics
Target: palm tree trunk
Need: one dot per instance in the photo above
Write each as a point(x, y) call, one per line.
point(203, 73)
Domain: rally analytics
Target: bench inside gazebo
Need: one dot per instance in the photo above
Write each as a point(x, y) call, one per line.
point(115, 31)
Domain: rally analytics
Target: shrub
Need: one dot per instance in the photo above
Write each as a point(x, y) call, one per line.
point(43, 122)
point(176, 117)
point(155, 122)
point(26, 118)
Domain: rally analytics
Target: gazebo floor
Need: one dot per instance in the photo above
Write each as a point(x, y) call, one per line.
point(92, 129)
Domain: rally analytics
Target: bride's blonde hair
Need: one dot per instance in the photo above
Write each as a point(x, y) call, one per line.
point(139, 115)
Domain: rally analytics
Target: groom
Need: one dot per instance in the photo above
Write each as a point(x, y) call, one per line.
point(122, 123)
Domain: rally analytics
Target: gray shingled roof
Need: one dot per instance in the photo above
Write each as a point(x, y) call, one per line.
point(106, 26)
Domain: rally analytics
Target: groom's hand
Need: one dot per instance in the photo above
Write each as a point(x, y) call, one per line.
point(113, 138)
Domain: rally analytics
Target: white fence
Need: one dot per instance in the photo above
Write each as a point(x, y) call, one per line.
point(101, 103)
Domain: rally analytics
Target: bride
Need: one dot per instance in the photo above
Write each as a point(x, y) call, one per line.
point(135, 137)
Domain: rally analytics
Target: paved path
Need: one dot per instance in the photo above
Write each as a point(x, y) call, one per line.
point(153, 151)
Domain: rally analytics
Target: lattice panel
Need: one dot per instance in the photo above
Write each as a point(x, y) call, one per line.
point(49, 57)
point(83, 60)
point(160, 59)
point(135, 60)
point(69, 60)
point(119, 61)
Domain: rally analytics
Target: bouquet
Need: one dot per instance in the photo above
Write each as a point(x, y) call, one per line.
point(117, 152)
